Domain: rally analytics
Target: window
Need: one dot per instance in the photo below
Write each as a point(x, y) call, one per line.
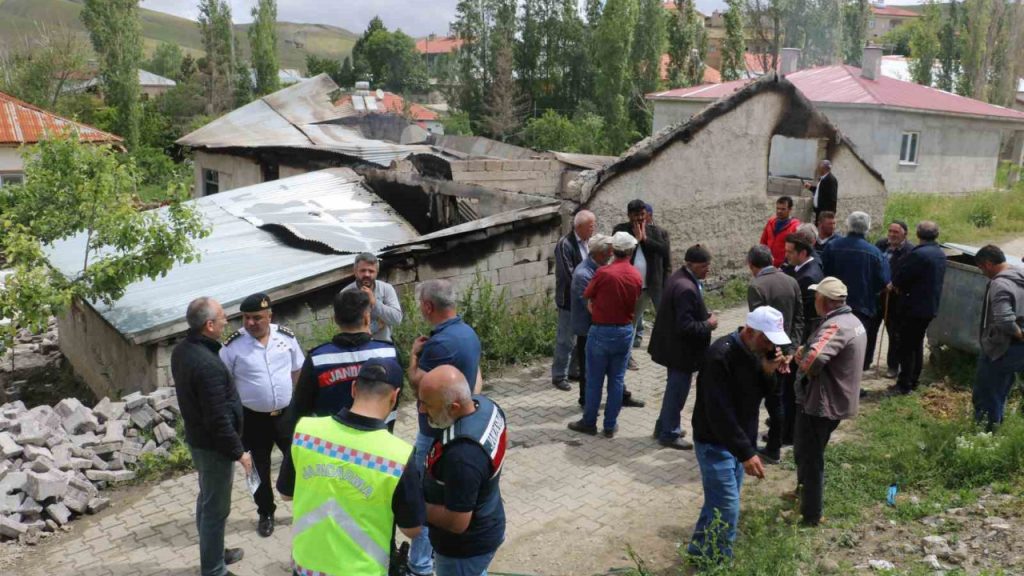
point(871, 23)
point(11, 178)
point(211, 182)
point(908, 148)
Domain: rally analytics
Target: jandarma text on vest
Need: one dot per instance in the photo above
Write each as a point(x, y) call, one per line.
point(337, 471)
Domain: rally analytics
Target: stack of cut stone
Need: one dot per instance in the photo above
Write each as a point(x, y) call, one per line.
point(55, 461)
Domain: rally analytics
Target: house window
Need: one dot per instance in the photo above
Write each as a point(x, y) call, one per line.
point(11, 178)
point(871, 23)
point(908, 148)
point(211, 182)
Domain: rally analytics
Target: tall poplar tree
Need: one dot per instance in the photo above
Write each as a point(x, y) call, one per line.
point(975, 48)
point(925, 44)
point(263, 46)
point(949, 49)
point(613, 44)
point(648, 46)
point(733, 61)
point(116, 35)
point(220, 66)
point(855, 26)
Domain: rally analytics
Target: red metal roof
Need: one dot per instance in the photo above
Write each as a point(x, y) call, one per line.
point(23, 123)
point(395, 104)
point(438, 45)
point(893, 11)
point(845, 85)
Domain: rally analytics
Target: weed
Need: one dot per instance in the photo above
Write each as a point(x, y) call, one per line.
point(154, 467)
point(968, 219)
point(732, 293)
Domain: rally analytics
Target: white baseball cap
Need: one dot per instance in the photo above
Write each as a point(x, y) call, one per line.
point(623, 241)
point(769, 320)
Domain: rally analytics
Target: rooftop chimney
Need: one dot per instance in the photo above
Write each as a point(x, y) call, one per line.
point(790, 61)
point(871, 62)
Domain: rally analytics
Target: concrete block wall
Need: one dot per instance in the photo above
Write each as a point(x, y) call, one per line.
point(542, 177)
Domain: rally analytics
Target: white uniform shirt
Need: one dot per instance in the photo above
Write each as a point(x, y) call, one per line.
point(263, 374)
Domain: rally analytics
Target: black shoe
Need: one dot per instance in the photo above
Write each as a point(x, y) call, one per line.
point(580, 426)
point(768, 457)
point(632, 365)
point(265, 526)
point(232, 555)
point(897, 390)
point(574, 377)
point(609, 432)
point(630, 402)
point(677, 444)
point(562, 385)
point(638, 343)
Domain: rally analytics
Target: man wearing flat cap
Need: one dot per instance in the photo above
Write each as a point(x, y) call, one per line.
point(264, 361)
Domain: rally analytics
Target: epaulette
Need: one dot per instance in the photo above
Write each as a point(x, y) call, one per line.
point(238, 333)
point(286, 331)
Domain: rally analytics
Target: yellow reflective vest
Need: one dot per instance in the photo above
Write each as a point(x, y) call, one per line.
point(344, 483)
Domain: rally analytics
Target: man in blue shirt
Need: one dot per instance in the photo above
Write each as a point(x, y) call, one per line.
point(600, 252)
point(452, 342)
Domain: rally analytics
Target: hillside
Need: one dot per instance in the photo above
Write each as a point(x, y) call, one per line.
point(22, 19)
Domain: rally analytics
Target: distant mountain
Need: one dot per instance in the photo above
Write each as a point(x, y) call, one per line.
point(21, 20)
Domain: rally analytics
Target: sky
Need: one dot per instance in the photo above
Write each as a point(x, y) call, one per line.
point(414, 17)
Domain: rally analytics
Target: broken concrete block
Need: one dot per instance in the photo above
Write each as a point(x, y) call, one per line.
point(170, 403)
point(9, 503)
point(12, 409)
point(62, 456)
point(42, 464)
point(56, 438)
point(98, 463)
point(76, 500)
point(8, 447)
point(33, 452)
point(67, 406)
point(115, 432)
point(80, 420)
point(166, 415)
point(98, 505)
point(106, 448)
point(29, 508)
point(51, 526)
point(5, 467)
point(144, 417)
point(106, 410)
point(99, 475)
point(134, 400)
point(79, 464)
point(80, 482)
point(32, 432)
point(116, 462)
point(132, 433)
point(164, 433)
point(30, 537)
point(123, 475)
point(5, 423)
point(11, 527)
point(59, 513)
point(161, 452)
point(13, 482)
point(45, 415)
point(85, 440)
point(52, 484)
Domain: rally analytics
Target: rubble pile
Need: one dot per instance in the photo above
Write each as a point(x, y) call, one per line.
point(55, 461)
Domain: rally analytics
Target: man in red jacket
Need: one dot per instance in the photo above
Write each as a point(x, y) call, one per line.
point(778, 228)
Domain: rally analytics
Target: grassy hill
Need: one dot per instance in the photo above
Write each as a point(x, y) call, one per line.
point(20, 20)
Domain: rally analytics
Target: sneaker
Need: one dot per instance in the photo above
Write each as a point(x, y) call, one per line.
point(233, 555)
point(562, 385)
point(768, 457)
point(581, 427)
point(632, 365)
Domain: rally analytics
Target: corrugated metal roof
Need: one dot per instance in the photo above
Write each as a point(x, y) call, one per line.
point(893, 11)
point(23, 123)
point(438, 45)
point(324, 210)
point(587, 161)
point(845, 85)
point(147, 78)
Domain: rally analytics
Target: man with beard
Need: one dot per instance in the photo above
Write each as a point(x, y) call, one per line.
point(385, 309)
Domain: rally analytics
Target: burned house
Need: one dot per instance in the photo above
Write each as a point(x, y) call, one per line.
point(708, 178)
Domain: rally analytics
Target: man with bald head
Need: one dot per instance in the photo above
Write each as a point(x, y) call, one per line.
point(569, 252)
point(461, 485)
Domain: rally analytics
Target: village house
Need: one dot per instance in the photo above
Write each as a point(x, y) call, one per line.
point(884, 19)
point(150, 85)
point(921, 139)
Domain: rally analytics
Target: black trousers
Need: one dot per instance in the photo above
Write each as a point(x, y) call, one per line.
point(811, 436)
point(788, 408)
point(892, 360)
point(581, 357)
point(773, 404)
point(868, 321)
point(260, 433)
point(911, 352)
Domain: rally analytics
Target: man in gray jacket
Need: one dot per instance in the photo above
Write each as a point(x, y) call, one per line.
point(385, 308)
point(828, 390)
point(1002, 338)
point(570, 250)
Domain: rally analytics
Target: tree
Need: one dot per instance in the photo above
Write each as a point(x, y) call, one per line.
point(824, 33)
point(472, 61)
point(72, 188)
point(316, 65)
point(263, 46)
point(975, 48)
point(347, 77)
point(924, 44)
point(166, 61)
point(765, 21)
point(41, 71)
point(1007, 61)
point(116, 34)
point(220, 66)
point(648, 46)
point(687, 45)
point(583, 134)
point(359, 61)
point(949, 49)
point(505, 107)
point(734, 63)
point(613, 44)
point(855, 26)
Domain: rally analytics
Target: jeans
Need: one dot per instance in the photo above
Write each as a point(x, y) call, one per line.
point(259, 436)
point(563, 346)
point(993, 382)
point(677, 388)
point(471, 566)
point(721, 474)
point(812, 435)
point(581, 355)
point(421, 553)
point(911, 352)
point(608, 350)
point(213, 505)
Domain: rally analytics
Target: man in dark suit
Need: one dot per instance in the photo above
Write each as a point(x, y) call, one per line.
point(569, 252)
point(652, 258)
point(894, 247)
point(806, 269)
point(826, 191)
point(918, 281)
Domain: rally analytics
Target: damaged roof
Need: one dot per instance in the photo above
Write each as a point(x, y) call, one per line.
point(284, 238)
point(299, 116)
point(23, 123)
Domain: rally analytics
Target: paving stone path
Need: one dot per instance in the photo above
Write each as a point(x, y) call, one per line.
point(573, 502)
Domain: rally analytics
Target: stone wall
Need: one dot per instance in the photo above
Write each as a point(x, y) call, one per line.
point(541, 177)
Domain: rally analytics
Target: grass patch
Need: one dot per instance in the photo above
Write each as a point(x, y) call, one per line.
point(732, 293)
point(153, 467)
point(969, 219)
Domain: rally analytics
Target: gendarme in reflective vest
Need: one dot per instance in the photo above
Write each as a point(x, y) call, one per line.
point(344, 483)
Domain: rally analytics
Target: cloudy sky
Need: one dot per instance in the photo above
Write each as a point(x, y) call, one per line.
point(415, 17)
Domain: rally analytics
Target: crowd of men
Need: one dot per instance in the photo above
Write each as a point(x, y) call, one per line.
point(817, 301)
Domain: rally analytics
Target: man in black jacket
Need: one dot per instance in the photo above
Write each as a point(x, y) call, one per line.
point(652, 258)
point(918, 282)
point(212, 412)
point(570, 250)
point(806, 269)
point(894, 247)
point(826, 191)
point(681, 334)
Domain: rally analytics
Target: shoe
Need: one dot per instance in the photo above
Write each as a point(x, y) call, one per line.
point(632, 365)
point(891, 373)
point(768, 457)
point(562, 385)
point(896, 390)
point(638, 343)
point(609, 432)
point(573, 377)
point(791, 496)
point(807, 523)
point(862, 393)
point(266, 526)
point(677, 444)
point(233, 555)
point(581, 427)
point(630, 402)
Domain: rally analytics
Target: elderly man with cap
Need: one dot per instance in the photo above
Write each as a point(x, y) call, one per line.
point(738, 371)
point(569, 252)
point(263, 359)
point(385, 308)
point(612, 296)
point(354, 471)
point(828, 389)
point(894, 247)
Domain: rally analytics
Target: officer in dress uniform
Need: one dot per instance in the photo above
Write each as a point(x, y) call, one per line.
point(264, 361)
point(461, 486)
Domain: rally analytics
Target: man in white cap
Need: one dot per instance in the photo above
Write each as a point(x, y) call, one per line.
point(825, 396)
point(738, 371)
point(611, 298)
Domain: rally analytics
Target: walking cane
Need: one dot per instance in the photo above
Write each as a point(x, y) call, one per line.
point(881, 339)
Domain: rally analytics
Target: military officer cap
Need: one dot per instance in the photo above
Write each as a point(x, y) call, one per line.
point(255, 303)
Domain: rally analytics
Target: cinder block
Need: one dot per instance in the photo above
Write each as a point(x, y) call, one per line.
point(428, 271)
point(528, 254)
point(476, 165)
point(535, 269)
point(511, 274)
point(502, 259)
point(492, 165)
point(400, 276)
point(510, 166)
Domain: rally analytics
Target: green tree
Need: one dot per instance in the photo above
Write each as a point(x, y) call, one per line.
point(648, 46)
point(72, 188)
point(824, 33)
point(41, 72)
point(582, 134)
point(166, 61)
point(316, 65)
point(769, 21)
point(974, 56)
point(360, 64)
point(472, 64)
point(505, 107)
point(855, 26)
point(924, 44)
point(898, 39)
point(219, 65)
point(347, 77)
point(1007, 60)
point(116, 34)
point(263, 46)
point(687, 45)
point(734, 64)
point(949, 49)
point(613, 43)
point(457, 124)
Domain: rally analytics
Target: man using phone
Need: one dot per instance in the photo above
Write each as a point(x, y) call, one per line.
point(385, 308)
